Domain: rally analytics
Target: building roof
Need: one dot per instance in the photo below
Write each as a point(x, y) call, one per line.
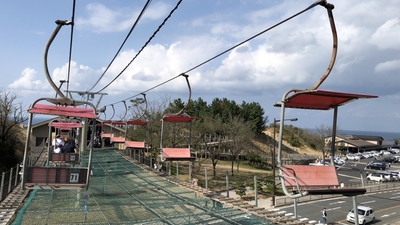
point(360, 137)
point(359, 143)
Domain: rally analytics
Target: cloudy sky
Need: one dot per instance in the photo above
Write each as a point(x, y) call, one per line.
point(292, 55)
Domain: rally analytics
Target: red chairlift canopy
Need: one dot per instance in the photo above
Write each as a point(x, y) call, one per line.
point(320, 100)
point(137, 122)
point(65, 125)
point(116, 122)
point(178, 118)
point(63, 111)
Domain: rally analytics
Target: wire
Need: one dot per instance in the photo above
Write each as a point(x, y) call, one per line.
point(229, 49)
point(123, 43)
point(148, 41)
point(70, 43)
point(248, 39)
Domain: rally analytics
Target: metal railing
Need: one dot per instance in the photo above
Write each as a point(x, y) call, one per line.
point(370, 186)
point(9, 180)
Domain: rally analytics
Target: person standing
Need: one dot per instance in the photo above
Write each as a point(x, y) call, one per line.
point(324, 216)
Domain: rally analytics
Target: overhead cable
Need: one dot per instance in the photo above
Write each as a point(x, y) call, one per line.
point(70, 43)
point(148, 41)
point(123, 43)
point(229, 49)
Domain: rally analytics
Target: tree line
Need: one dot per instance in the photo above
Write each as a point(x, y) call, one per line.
point(222, 125)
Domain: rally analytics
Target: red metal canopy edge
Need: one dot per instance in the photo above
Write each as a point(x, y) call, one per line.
point(320, 100)
point(177, 154)
point(129, 122)
point(137, 122)
point(62, 111)
point(178, 118)
point(65, 125)
point(134, 144)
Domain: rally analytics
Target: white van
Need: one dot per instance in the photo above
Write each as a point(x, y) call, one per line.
point(365, 215)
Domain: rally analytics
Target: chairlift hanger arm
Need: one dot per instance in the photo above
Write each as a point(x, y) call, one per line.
point(59, 23)
point(145, 109)
point(329, 7)
point(190, 94)
point(126, 110)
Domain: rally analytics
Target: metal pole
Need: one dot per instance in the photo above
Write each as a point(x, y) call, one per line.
point(206, 177)
point(10, 181)
point(27, 146)
point(362, 179)
point(177, 170)
point(227, 184)
point(90, 153)
point(273, 168)
point(255, 191)
point(190, 172)
point(16, 175)
point(295, 207)
point(335, 112)
point(355, 210)
point(2, 184)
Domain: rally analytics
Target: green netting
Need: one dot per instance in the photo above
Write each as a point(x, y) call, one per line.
point(123, 193)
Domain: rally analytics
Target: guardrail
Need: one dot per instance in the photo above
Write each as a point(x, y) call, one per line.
point(9, 180)
point(370, 186)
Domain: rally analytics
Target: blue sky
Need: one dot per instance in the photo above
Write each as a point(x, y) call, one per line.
point(293, 55)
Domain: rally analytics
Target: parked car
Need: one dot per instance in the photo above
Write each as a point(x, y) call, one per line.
point(389, 159)
point(378, 177)
point(395, 174)
point(365, 215)
point(377, 165)
point(384, 152)
point(352, 157)
point(389, 176)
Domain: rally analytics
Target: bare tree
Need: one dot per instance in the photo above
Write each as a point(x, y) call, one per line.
point(12, 116)
point(239, 134)
point(326, 134)
point(207, 137)
point(153, 115)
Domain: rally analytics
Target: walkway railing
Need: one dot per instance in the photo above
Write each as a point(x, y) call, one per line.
point(9, 180)
point(371, 187)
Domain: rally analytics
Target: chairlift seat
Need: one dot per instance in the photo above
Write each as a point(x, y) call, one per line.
point(114, 139)
point(177, 154)
point(135, 144)
point(316, 180)
point(106, 135)
point(55, 177)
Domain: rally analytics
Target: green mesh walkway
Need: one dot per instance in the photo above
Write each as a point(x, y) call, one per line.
point(122, 193)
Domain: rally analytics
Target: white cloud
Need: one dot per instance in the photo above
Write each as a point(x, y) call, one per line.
point(388, 66)
point(387, 35)
point(28, 83)
point(102, 19)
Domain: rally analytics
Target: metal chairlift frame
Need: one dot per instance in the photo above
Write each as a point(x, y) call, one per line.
point(64, 107)
point(179, 117)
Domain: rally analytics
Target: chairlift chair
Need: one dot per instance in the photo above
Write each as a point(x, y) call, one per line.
point(174, 153)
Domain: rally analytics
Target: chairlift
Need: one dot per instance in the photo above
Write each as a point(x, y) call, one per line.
point(137, 122)
point(63, 158)
point(174, 153)
point(47, 176)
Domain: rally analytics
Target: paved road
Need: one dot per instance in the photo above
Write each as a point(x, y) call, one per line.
point(385, 204)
